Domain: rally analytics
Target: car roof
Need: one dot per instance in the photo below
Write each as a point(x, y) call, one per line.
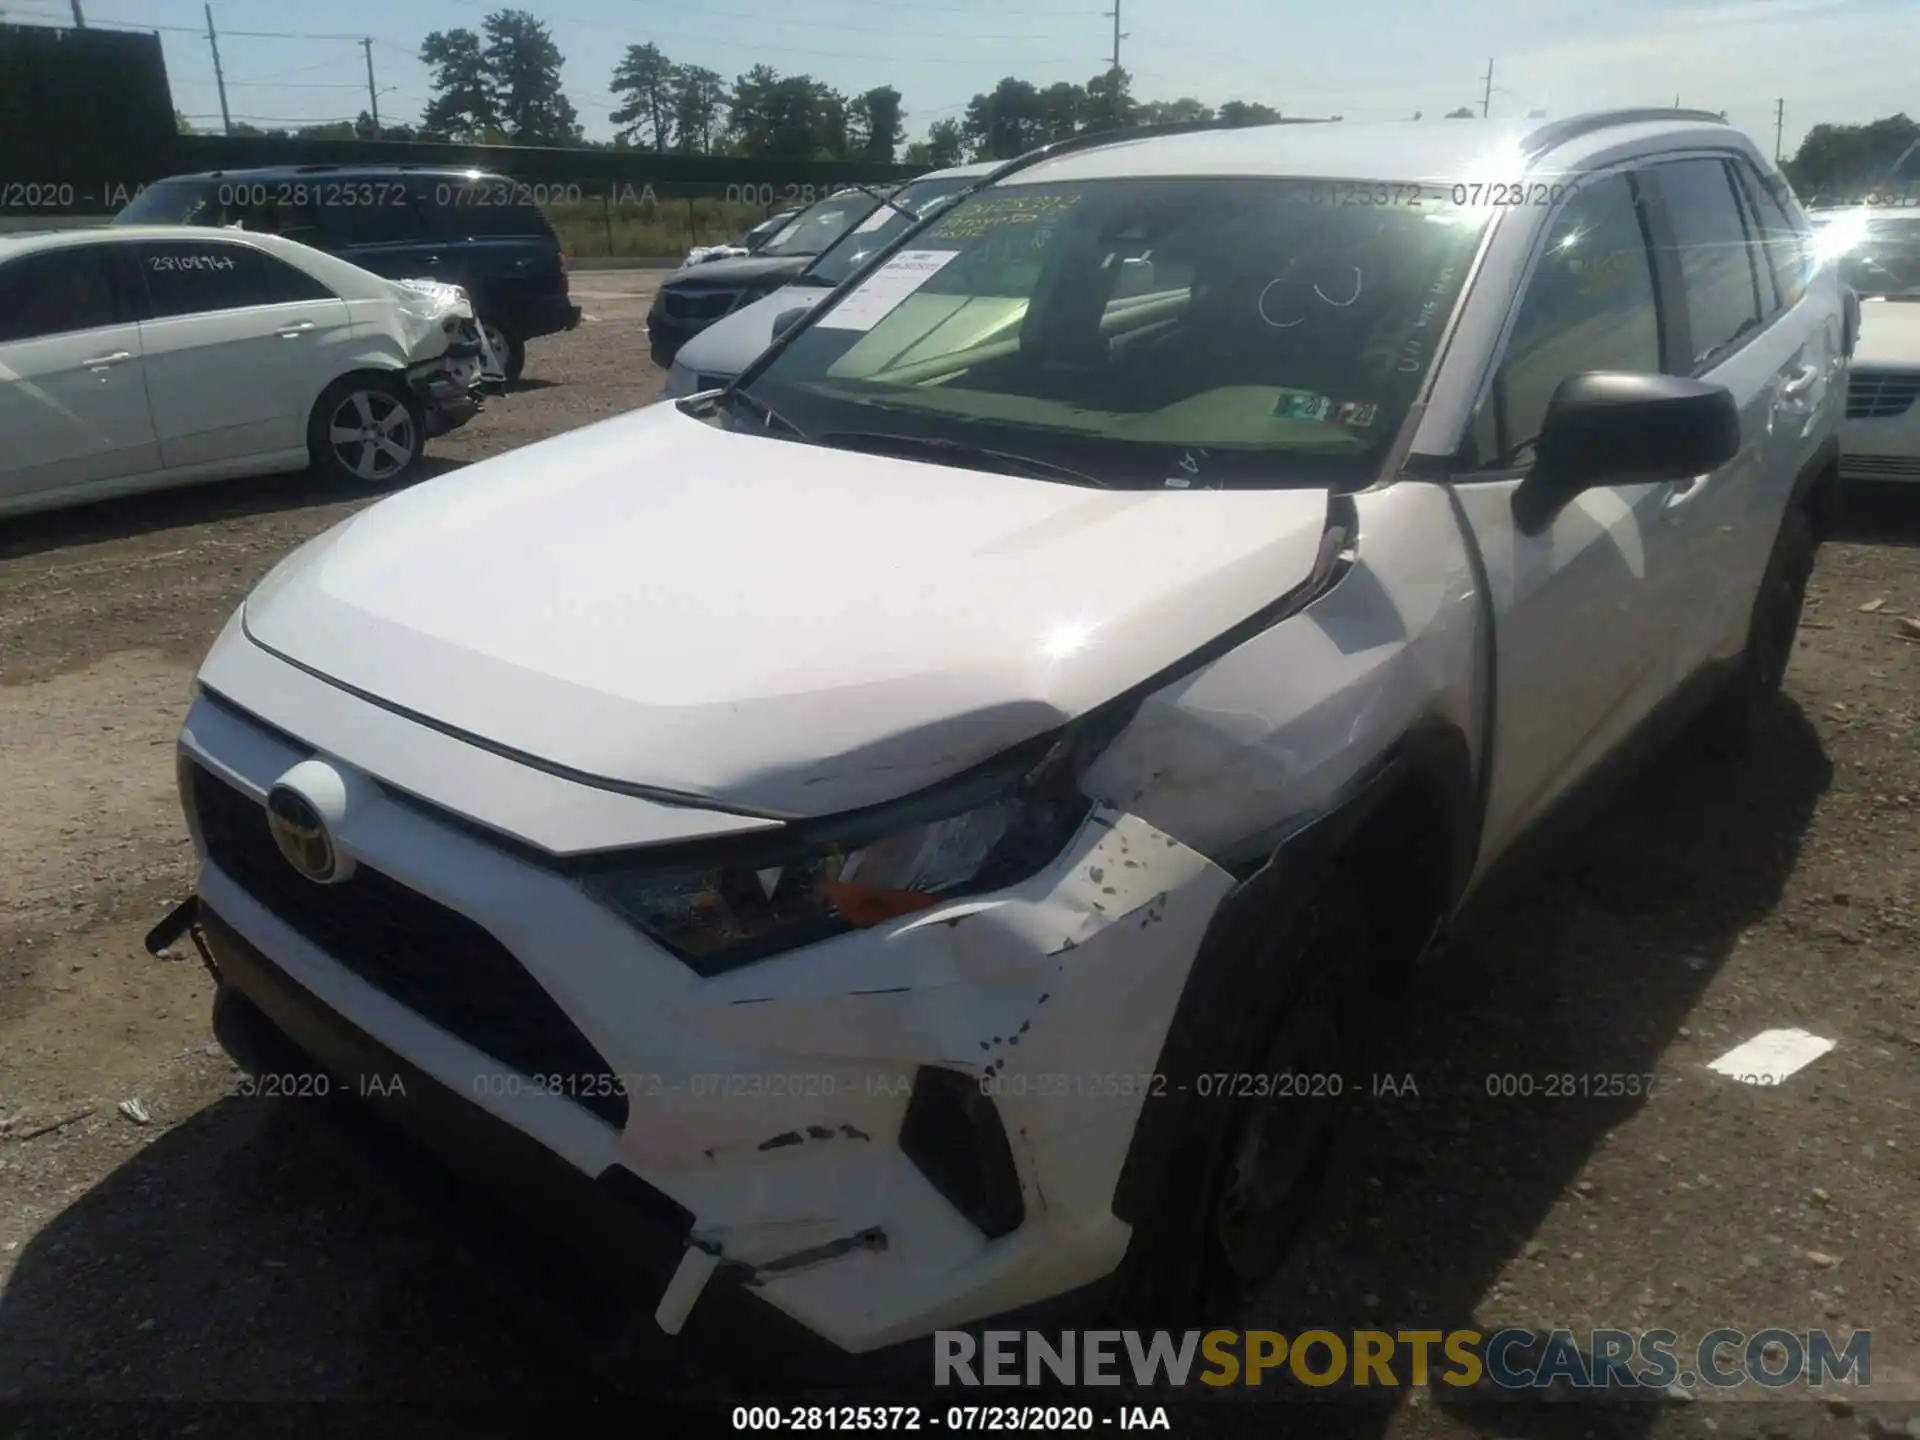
point(1380, 149)
point(956, 172)
point(263, 173)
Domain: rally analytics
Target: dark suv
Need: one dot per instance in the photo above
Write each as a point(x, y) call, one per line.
point(695, 296)
point(464, 227)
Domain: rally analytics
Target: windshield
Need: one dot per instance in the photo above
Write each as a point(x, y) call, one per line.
point(880, 228)
point(818, 226)
point(1877, 255)
point(1144, 332)
point(174, 202)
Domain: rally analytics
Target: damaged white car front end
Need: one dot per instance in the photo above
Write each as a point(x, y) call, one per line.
point(453, 367)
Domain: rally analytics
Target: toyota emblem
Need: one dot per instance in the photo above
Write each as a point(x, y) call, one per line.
point(301, 834)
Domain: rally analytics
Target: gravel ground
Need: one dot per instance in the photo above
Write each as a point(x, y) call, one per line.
point(224, 1250)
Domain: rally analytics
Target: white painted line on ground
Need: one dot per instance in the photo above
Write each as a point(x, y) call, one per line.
point(1771, 1056)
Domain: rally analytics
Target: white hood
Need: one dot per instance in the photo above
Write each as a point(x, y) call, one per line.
point(1889, 333)
point(777, 626)
point(727, 347)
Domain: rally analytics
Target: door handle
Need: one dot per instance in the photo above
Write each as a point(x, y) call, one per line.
point(100, 362)
point(294, 332)
point(1799, 382)
point(1681, 491)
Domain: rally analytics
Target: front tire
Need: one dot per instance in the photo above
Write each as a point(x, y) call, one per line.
point(1282, 1032)
point(508, 348)
point(366, 431)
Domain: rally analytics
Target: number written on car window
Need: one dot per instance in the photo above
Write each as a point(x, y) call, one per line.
point(191, 262)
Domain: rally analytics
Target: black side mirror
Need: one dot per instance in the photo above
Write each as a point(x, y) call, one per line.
point(1611, 428)
point(786, 320)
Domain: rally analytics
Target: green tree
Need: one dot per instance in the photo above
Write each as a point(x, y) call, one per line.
point(1242, 112)
point(463, 106)
point(1845, 161)
point(1465, 112)
point(181, 124)
point(1183, 111)
point(1063, 110)
point(698, 97)
point(874, 122)
point(793, 117)
point(946, 143)
point(524, 65)
point(1007, 122)
point(1110, 102)
point(644, 79)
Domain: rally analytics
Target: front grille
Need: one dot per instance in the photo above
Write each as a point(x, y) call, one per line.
point(699, 304)
point(439, 964)
point(1881, 394)
point(1893, 467)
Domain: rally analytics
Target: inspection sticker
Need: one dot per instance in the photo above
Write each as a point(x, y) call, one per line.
point(883, 291)
point(1302, 405)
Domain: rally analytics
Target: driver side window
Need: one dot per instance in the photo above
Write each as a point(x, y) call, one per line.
point(1590, 304)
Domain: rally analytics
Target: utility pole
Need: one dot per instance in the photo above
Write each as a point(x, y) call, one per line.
point(219, 77)
point(1779, 124)
point(1118, 99)
point(373, 96)
point(1486, 100)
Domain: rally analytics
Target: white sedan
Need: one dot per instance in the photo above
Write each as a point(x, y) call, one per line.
point(145, 357)
point(1878, 250)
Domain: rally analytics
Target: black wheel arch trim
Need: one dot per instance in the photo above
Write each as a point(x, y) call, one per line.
point(1433, 756)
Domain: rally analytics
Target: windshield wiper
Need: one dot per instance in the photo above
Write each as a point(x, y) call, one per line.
point(813, 278)
point(770, 419)
point(957, 452)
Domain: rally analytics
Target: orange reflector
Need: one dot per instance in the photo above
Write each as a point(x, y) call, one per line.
point(866, 905)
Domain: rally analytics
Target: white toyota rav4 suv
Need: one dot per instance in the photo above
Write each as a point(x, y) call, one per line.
point(921, 834)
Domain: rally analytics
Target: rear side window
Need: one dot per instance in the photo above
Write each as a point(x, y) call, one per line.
point(1781, 241)
point(1717, 272)
point(1589, 305)
point(373, 212)
point(189, 277)
point(488, 209)
point(60, 292)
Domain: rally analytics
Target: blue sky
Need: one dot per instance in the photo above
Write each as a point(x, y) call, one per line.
point(1835, 60)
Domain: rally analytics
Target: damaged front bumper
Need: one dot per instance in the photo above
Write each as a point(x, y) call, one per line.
point(898, 1130)
point(451, 386)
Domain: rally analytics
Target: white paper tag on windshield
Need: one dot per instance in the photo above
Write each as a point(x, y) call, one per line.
point(883, 291)
point(878, 218)
point(783, 236)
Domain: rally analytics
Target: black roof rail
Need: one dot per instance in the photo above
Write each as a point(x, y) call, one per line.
point(1559, 132)
point(1094, 139)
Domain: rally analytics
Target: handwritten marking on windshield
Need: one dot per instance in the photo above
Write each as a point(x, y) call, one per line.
point(1325, 298)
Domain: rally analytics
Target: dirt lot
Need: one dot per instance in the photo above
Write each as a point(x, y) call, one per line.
point(225, 1251)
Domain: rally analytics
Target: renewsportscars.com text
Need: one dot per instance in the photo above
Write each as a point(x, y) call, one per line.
point(1607, 1359)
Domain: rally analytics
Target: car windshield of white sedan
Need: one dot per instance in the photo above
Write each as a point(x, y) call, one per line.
point(1154, 332)
point(904, 208)
point(818, 226)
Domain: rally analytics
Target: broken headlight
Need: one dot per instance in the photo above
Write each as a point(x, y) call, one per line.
point(742, 900)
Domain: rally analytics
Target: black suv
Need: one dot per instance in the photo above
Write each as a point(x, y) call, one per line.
point(698, 295)
point(464, 227)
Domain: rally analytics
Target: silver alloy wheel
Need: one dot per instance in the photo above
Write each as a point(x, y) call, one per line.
point(373, 435)
point(496, 341)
